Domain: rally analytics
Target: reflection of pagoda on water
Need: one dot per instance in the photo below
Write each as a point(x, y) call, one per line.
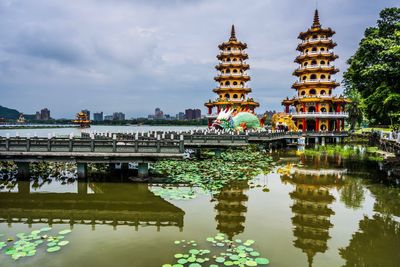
point(311, 200)
point(231, 209)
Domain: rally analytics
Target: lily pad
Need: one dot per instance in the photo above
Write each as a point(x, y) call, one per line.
point(262, 261)
point(64, 232)
point(53, 249)
point(63, 243)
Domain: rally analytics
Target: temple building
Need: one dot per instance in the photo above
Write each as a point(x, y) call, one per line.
point(232, 89)
point(315, 107)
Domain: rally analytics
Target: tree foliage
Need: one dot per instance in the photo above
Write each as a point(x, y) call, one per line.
point(374, 70)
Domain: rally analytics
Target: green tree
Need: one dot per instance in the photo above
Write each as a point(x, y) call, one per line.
point(374, 70)
point(355, 108)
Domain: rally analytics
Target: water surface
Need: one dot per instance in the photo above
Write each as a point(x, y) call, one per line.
point(319, 211)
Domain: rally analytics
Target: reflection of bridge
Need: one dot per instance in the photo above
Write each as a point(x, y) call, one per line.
point(117, 204)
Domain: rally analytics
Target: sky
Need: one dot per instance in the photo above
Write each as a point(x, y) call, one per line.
point(133, 56)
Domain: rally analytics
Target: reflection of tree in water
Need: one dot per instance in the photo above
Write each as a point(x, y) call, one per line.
point(311, 200)
point(352, 194)
point(231, 208)
point(376, 244)
point(387, 200)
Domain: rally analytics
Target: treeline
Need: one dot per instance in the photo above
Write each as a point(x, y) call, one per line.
point(372, 79)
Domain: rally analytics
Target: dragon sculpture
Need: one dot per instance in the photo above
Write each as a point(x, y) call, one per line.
point(239, 121)
point(283, 121)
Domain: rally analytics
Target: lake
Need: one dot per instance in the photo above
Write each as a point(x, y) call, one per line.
point(307, 211)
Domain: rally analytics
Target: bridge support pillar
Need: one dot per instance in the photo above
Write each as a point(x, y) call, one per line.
point(217, 152)
point(23, 170)
point(82, 188)
point(81, 170)
point(198, 153)
point(24, 187)
point(337, 140)
point(143, 169)
point(323, 141)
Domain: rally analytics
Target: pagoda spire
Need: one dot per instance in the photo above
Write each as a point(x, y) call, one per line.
point(233, 34)
point(316, 23)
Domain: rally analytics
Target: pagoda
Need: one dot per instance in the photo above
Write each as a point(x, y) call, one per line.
point(232, 89)
point(82, 120)
point(315, 107)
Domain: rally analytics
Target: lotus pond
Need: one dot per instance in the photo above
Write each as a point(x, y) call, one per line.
point(243, 209)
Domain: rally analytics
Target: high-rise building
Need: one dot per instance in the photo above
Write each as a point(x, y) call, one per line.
point(87, 112)
point(118, 116)
point(180, 116)
point(316, 109)
point(192, 114)
point(45, 114)
point(232, 89)
point(108, 117)
point(37, 116)
point(98, 116)
point(158, 114)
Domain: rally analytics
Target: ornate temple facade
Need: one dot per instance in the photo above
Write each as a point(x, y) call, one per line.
point(315, 106)
point(232, 89)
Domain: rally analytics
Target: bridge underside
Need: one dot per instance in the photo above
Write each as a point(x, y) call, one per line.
point(86, 157)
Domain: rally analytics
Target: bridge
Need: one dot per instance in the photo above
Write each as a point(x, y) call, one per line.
point(107, 204)
point(142, 148)
point(390, 141)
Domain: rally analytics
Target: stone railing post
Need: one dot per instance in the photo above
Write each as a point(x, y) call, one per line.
point(8, 142)
point(114, 143)
point(28, 143)
point(92, 143)
point(71, 142)
point(49, 142)
point(158, 144)
point(136, 143)
point(181, 144)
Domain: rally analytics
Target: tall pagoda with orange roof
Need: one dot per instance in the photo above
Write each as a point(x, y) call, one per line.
point(315, 107)
point(232, 89)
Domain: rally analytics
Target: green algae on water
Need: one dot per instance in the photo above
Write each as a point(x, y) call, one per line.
point(213, 173)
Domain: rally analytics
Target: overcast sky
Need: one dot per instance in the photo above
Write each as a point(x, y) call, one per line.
point(133, 56)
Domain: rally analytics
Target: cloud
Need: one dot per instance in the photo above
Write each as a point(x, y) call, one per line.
point(132, 56)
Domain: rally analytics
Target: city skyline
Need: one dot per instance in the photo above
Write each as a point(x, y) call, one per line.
point(130, 57)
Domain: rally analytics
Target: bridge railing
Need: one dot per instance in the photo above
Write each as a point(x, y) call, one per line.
point(91, 145)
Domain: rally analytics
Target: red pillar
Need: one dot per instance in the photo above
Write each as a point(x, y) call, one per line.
point(304, 107)
point(342, 124)
point(316, 124)
point(317, 107)
point(287, 109)
point(209, 122)
point(218, 109)
point(337, 107)
point(209, 110)
point(304, 124)
point(337, 125)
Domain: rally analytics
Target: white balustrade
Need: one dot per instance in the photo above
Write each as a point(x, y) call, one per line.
point(316, 40)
